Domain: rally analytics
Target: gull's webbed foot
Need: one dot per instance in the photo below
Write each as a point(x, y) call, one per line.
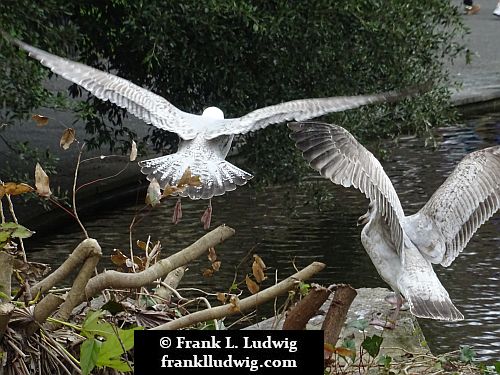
point(207, 216)
point(177, 216)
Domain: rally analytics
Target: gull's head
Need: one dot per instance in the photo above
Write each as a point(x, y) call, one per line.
point(213, 112)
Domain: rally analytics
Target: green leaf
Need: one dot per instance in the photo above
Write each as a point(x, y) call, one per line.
point(16, 230)
point(116, 363)
point(497, 367)
point(372, 345)
point(90, 323)
point(467, 354)
point(351, 345)
point(304, 288)
point(89, 352)
point(360, 324)
point(385, 361)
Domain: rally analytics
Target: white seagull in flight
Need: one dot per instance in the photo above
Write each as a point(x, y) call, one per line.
point(204, 140)
point(401, 247)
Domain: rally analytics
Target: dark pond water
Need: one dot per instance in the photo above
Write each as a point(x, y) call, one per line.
point(285, 227)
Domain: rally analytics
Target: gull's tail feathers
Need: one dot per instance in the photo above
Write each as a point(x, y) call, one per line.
point(216, 176)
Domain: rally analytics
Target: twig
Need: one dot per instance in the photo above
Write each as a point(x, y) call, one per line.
point(62, 351)
point(74, 192)
point(171, 281)
point(11, 208)
point(2, 216)
point(114, 279)
point(244, 304)
point(103, 178)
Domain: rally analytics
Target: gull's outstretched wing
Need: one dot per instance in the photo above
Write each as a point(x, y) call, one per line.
point(337, 155)
point(467, 199)
point(142, 103)
point(300, 110)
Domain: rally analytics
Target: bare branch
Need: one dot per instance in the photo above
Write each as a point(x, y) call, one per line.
point(305, 309)
point(337, 313)
point(85, 249)
point(246, 303)
point(114, 279)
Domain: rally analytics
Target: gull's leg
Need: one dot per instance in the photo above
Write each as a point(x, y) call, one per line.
point(177, 216)
point(390, 323)
point(207, 216)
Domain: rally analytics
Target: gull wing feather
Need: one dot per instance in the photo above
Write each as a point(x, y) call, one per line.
point(467, 199)
point(142, 103)
point(338, 156)
point(301, 110)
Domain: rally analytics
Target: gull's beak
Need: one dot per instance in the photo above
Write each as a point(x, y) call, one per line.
point(362, 220)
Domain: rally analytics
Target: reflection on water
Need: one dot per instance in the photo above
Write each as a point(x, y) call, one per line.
point(286, 229)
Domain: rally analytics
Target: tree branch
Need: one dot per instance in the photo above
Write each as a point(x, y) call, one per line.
point(84, 250)
point(305, 309)
point(120, 280)
point(337, 313)
point(246, 303)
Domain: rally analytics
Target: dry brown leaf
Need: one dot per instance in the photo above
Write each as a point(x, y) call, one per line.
point(141, 245)
point(212, 256)
point(344, 352)
point(252, 286)
point(329, 348)
point(216, 265)
point(118, 258)
point(195, 181)
point(139, 262)
point(153, 195)
point(259, 260)
point(258, 271)
point(40, 120)
point(188, 179)
point(221, 297)
point(208, 272)
point(13, 188)
point(169, 190)
point(234, 300)
point(67, 138)
point(133, 151)
point(42, 182)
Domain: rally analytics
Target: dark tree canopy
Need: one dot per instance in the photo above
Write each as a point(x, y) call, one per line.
point(239, 55)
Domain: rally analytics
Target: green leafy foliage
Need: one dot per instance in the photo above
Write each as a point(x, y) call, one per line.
point(105, 344)
point(385, 360)
point(351, 345)
point(467, 354)
point(360, 324)
point(304, 288)
point(10, 230)
point(240, 55)
point(372, 345)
